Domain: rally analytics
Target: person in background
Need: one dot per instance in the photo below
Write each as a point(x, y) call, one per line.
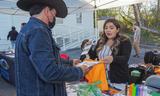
point(12, 35)
point(137, 36)
point(84, 43)
point(115, 49)
point(22, 24)
point(39, 70)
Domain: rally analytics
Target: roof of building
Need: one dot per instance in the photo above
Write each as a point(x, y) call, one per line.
point(105, 17)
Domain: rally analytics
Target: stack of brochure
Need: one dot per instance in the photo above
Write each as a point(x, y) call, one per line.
point(88, 63)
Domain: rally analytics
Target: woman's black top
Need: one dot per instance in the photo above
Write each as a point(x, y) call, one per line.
point(119, 72)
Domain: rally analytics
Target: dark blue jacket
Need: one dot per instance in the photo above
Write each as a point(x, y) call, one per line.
point(39, 70)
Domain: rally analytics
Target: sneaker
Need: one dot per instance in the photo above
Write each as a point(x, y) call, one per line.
point(135, 55)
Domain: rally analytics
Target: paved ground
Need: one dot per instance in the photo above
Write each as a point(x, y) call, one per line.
point(9, 90)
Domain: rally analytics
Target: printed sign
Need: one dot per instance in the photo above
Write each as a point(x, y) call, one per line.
point(4, 64)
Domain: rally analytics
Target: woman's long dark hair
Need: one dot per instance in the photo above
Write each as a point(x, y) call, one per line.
point(117, 39)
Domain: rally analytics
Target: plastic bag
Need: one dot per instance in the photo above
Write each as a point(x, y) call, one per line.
point(89, 90)
point(98, 73)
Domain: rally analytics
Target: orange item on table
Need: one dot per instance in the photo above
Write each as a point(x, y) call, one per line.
point(157, 71)
point(130, 90)
point(113, 91)
point(97, 73)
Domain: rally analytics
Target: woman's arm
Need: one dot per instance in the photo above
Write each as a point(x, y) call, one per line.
point(125, 54)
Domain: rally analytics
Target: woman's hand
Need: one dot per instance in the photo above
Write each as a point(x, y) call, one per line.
point(108, 59)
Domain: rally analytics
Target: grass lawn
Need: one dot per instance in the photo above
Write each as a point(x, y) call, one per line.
point(147, 40)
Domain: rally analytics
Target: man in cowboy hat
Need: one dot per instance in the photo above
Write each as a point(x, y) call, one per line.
point(39, 70)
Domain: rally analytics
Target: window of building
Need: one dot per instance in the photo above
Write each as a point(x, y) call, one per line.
point(79, 18)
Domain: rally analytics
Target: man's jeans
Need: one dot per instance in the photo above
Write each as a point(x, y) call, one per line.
point(12, 43)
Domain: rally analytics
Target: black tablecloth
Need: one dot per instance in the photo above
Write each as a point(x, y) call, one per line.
point(7, 68)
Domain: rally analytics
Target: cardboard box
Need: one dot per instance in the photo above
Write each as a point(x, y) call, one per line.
point(156, 66)
point(145, 66)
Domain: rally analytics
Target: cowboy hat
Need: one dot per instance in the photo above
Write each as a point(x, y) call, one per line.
point(59, 5)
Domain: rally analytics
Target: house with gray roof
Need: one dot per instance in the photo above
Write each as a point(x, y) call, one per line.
point(101, 21)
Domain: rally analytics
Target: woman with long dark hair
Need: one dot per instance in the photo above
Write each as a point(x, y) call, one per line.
point(114, 48)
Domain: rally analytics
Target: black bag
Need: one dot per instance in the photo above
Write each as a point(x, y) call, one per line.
point(152, 57)
point(135, 79)
point(150, 71)
point(148, 57)
point(156, 59)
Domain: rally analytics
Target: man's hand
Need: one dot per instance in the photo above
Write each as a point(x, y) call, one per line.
point(108, 59)
point(85, 69)
point(75, 62)
point(7, 39)
point(135, 40)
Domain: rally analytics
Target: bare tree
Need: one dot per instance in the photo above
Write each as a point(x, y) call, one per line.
point(141, 23)
point(135, 14)
point(157, 11)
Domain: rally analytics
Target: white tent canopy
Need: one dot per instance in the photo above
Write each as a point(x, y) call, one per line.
point(74, 6)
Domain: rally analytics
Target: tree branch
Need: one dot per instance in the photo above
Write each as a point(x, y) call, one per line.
point(125, 19)
point(141, 24)
point(157, 11)
point(127, 16)
point(135, 14)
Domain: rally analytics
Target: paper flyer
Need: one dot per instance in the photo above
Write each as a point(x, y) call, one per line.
point(88, 63)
